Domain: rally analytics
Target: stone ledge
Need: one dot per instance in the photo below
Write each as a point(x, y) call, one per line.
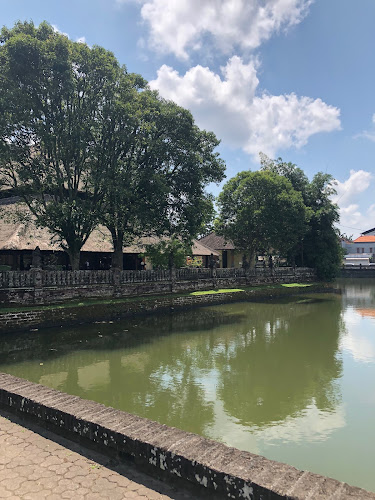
point(219, 470)
point(52, 317)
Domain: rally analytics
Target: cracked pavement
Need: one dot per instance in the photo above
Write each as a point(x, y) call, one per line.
point(36, 464)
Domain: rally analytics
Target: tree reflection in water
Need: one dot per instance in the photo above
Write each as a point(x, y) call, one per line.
point(264, 361)
point(284, 358)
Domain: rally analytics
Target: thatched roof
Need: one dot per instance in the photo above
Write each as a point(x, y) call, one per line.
point(16, 235)
point(217, 242)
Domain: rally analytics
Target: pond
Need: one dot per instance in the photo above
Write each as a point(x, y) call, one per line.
point(290, 379)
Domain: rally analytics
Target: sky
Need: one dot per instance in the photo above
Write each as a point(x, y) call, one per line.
point(291, 78)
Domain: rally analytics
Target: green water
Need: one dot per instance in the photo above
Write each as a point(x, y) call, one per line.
point(293, 380)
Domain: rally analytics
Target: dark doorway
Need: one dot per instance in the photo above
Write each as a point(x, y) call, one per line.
point(131, 261)
point(225, 258)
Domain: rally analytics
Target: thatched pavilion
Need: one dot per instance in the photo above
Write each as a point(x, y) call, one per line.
point(19, 239)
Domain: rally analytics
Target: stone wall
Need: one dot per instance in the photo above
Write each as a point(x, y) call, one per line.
point(357, 272)
point(219, 471)
point(51, 287)
point(71, 315)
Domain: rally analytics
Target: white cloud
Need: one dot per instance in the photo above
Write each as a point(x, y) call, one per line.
point(349, 197)
point(368, 134)
point(57, 30)
point(357, 340)
point(354, 221)
point(230, 107)
point(357, 183)
point(80, 39)
point(177, 26)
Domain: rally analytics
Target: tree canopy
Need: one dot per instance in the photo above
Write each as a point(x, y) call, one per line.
point(261, 212)
point(158, 186)
point(85, 142)
point(57, 95)
point(319, 245)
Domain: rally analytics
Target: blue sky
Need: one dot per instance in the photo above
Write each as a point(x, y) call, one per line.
point(291, 78)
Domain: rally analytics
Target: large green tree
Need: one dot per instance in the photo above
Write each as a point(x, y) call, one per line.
point(319, 246)
point(260, 211)
point(157, 187)
point(57, 99)
point(190, 163)
point(84, 142)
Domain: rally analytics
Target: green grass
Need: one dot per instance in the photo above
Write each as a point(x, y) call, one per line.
point(296, 285)
point(222, 290)
point(250, 288)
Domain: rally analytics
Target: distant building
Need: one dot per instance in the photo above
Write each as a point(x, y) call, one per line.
point(360, 259)
point(228, 255)
point(347, 245)
point(365, 243)
point(369, 232)
point(361, 250)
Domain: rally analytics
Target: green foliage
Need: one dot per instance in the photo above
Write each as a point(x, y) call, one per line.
point(157, 186)
point(188, 163)
point(194, 262)
point(168, 254)
point(319, 247)
point(84, 142)
point(295, 175)
point(260, 211)
point(57, 96)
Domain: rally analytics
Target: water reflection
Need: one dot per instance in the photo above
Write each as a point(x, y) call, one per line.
point(276, 368)
point(359, 318)
point(290, 379)
point(264, 363)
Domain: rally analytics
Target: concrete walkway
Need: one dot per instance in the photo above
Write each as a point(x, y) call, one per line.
point(37, 464)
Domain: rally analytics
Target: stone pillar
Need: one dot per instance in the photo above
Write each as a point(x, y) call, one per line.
point(38, 285)
point(116, 282)
point(173, 279)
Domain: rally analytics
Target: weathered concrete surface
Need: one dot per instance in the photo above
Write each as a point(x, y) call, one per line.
point(364, 272)
point(168, 451)
point(37, 464)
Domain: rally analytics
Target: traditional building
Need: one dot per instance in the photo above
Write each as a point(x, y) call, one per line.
point(228, 255)
point(18, 240)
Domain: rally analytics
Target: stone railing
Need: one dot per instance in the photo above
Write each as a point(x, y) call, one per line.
point(48, 287)
point(41, 278)
point(193, 274)
point(16, 279)
point(211, 469)
point(37, 277)
point(144, 276)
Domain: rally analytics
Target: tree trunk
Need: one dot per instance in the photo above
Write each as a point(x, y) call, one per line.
point(171, 260)
point(172, 271)
point(252, 259)
point(74, 257)
point(117, 256)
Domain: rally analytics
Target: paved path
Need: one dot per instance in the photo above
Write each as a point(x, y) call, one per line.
point(37, 464)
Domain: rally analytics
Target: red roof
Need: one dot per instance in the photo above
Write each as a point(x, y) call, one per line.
point(365, 239)
point(366, 312)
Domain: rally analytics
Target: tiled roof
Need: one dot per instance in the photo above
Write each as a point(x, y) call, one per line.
point(365, 239)
point(366, 312)
point(368, 231)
